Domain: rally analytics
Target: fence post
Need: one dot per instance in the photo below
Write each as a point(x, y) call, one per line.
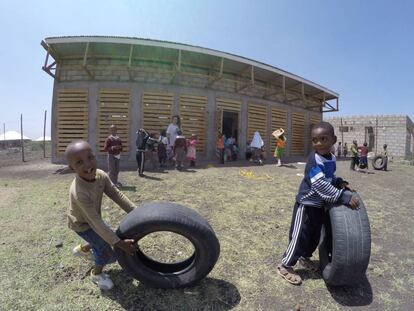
point(44, 136)
point(21, 131)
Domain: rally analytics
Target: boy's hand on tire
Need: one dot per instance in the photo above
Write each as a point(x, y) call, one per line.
point(354, 202)
point(127, 245)
point(346, 186)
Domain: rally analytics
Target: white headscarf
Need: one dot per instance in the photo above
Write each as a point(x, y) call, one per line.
point(257, 141)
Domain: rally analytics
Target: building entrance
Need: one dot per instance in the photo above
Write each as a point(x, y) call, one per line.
point(230, 124)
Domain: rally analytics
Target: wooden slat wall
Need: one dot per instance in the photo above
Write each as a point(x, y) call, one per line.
point(72, 117)
point(156, 111)
point(298, 134)
point(257, 121)
point(228, 104)
point(114, 108)
point(193, 118)
point(314, 120)
point(279, 120)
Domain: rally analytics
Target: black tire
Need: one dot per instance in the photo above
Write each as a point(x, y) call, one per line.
point(345, 246)
point(378, 162)
point(157, 216)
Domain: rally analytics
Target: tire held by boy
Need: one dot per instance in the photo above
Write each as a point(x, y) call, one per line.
point(161, 216)
point(345, 247)
point(378, 162)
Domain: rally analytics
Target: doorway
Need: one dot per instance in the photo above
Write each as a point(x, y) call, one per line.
point(370, 137)
point(230, 124)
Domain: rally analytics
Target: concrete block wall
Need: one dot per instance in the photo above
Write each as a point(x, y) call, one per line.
point(393, 130)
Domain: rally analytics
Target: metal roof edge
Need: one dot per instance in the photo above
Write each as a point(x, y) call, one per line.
point(184, 47)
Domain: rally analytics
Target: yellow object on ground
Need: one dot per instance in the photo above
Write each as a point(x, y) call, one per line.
point(250, 175)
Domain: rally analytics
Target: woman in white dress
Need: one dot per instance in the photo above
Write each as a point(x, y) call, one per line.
point(172, 133)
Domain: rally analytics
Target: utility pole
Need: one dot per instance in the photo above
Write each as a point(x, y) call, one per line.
point(21, 130)
point(4, 134)
point(376, 134)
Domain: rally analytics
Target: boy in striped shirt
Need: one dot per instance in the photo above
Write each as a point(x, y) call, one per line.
point(319, 187)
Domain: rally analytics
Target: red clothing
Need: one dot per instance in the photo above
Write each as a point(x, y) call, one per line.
point(220, 142)
point(111, 142)
point(363, 151)
point(180, 142)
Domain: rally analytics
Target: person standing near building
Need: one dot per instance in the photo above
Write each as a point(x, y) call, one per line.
point(385, 154)
point(345, 150)
point(363, 156)
point(279, 134)
point(113, 146)
point(220, 146)
point(180, 150)
point(354, 154)
point(339, 150)
point(173, 129)
point(143, 137)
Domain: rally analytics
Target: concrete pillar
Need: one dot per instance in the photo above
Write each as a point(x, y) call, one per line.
point(136, 120)
point(93, 97)
point(269, 132)
point(307, 133)
point(211, 126)
point(289, 132)
point(243, 128)
point(53, 121)
point(176, 104)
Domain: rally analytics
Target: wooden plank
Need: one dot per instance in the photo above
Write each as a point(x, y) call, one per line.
point(193, 112)
point(113, 109)
point(72, 116)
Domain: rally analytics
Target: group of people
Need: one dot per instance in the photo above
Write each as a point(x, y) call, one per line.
point(358, 154)
point(227, 148)
point(166, 147)
point(255, 150)
point(318, 189)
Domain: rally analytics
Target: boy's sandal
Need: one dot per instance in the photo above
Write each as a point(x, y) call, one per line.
point(308, 264)
point(289, 275)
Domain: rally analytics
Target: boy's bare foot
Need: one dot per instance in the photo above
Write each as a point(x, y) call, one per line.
point(308, 264)
point(289, 275)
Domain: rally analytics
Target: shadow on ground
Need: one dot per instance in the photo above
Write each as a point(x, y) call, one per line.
point(358, 295)
point(214, 293)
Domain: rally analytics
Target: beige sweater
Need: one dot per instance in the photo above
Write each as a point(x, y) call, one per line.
point(85, 205)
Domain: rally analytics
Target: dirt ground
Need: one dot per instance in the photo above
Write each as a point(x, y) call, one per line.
point(250, 210)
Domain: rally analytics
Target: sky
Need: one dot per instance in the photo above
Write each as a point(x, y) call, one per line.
point(362, 50)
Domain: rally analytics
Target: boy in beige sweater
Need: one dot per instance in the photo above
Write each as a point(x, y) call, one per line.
point(84, 214)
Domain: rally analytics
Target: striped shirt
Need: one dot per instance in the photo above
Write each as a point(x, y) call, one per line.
point(320, 185)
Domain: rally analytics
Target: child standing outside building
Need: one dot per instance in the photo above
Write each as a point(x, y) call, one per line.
point(385, 154)
point(113, 146)
point(162, 148)
point(220, 146)
point(319, 187)
point(84, 214)
point(180, 150)
point(279, 134)
point(345, 150)
point(354, 155)
point(363, 155)
point(191, 150)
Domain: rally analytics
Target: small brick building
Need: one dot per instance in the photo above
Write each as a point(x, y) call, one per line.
point(397, 131)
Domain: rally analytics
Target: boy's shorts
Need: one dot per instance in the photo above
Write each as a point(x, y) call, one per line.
point(103, 253)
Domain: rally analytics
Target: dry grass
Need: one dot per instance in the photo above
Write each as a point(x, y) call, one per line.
point(251, 218)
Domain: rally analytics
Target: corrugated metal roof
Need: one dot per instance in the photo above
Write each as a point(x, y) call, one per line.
point(61, 47)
